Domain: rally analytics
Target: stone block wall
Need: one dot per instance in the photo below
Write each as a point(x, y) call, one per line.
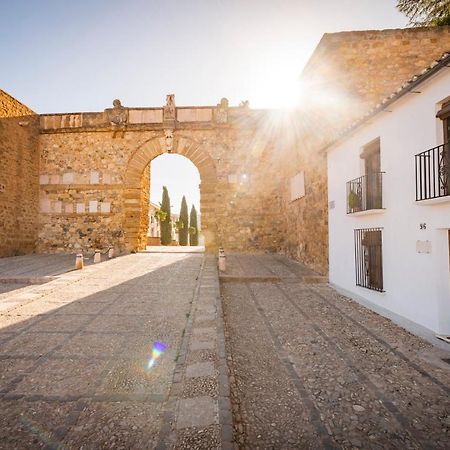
point(94, 184)
point(10, 107)
point(145, 207)
point(94, 180)
point(81, 191)
point(366, 66)
point(19, 175)
point(348, 74)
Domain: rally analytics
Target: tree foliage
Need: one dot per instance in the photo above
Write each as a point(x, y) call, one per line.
point(160, 215)
point(166, 224)
point(425, 12)
point(193, 229)
point(184, 218)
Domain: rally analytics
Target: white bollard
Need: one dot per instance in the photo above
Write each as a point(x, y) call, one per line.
point(97, 257)
point(79, 263)
point(111, 253)
point(222, 261)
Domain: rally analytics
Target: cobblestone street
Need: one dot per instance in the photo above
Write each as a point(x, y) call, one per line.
point(307, 367)
point(313, 369)
point(75, 352)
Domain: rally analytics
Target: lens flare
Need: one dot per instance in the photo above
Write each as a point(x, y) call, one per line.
point(158, 349)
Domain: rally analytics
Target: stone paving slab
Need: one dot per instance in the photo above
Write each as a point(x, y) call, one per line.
point(198, 414)
point(310, 368)
point(201, 369)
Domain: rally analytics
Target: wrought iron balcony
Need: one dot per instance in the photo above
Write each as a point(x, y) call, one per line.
point(432, 173)
point(365, 193)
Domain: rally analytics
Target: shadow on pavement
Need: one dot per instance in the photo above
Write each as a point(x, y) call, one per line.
point(75, 370)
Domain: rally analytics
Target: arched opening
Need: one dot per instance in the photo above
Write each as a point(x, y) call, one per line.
point(181, 179)
point(136, 196)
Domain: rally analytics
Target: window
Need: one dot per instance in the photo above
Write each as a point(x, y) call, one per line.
point(369, 258)
point(444, 115)
point(365, 193)
point(371, 156)
point(373, 180)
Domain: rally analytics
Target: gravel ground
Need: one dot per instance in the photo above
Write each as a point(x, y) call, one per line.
point(206, 438)
point(312, 369)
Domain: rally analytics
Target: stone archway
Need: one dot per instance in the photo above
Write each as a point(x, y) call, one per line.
point(134, 202)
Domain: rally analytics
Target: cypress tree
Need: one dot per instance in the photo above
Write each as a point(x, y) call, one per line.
point(193, 229)
point(184, 218)
point(166, 225)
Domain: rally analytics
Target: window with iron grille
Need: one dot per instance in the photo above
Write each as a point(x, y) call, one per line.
point(369, 258)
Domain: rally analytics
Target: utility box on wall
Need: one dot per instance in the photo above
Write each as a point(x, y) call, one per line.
point(423, 246)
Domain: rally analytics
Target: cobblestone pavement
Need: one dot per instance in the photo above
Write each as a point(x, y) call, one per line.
point(310, 368)
point(75, 352)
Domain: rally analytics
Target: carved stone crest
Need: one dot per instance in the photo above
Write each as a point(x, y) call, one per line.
point(168, 140)
point(169, 108)
point(117, 115)
point(222, 111)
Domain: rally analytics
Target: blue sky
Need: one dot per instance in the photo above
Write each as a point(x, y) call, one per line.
point(67, 56)
point(79, 55)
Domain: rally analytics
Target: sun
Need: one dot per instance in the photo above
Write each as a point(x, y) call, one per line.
point(280, 87)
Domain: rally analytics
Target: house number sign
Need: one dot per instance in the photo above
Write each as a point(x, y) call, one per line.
point(423, 226)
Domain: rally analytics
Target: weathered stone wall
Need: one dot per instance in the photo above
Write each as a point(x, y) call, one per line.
point(145, 207)
point(94, 177)
point(349, 73)
point(10, 107)
point(366, 66)
point(81, 191)
point(94, 181)
point(19, 171)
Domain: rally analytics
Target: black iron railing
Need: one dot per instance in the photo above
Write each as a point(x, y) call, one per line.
point(365, 193)
point(432, 173)
point(369, 258)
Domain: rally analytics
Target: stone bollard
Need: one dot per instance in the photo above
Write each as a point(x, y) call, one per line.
point(79, 264)
point(111, 253)
point(97, 257)
point(222, 260)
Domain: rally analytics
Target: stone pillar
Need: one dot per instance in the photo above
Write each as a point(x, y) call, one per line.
point(207, 210)
point(132, 217)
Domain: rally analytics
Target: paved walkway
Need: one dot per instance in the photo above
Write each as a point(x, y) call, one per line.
point(312, 369)
point(307, 367)
point(175, 249)
point(35, 266)
point(76, 352)
point(17, 272)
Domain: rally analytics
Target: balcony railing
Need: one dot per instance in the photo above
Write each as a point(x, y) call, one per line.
point(365, 193)
point(432, 173)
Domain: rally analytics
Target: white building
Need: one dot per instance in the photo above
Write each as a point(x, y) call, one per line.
point(154, 229)
point(389, 205)
point(154, 226)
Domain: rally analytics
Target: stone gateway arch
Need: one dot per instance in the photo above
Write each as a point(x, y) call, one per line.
point(94, 175)
point(136, 199)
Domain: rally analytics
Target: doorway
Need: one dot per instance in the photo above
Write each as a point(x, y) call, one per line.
point(174, 213)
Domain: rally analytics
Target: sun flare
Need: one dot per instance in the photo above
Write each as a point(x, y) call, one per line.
point(280, 87)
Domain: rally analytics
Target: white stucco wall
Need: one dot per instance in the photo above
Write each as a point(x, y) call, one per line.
point(417, 286)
